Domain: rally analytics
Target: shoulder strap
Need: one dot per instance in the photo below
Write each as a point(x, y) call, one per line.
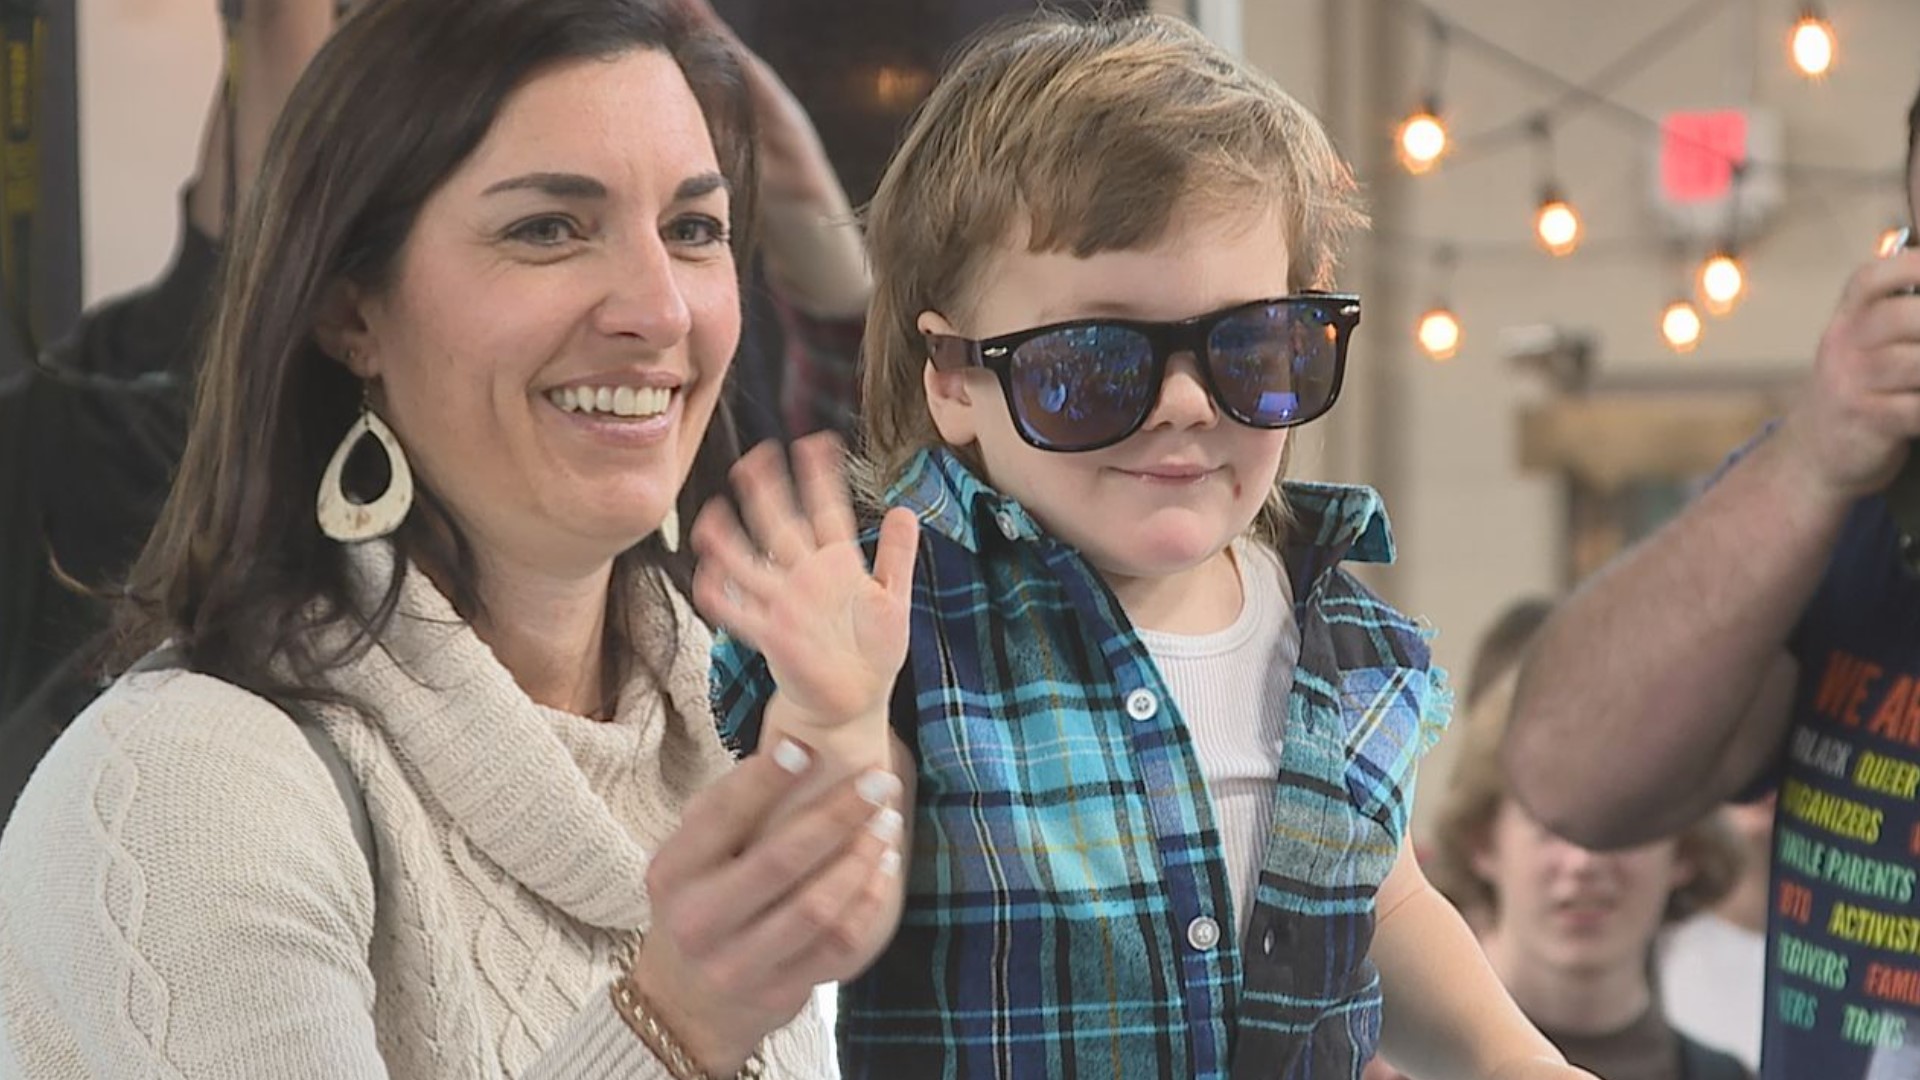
point(351, 796)
point(344, 780)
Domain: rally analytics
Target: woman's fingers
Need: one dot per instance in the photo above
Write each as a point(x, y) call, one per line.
point(714, 909)
point(724, 817)
point(878, 892)
point(819, 911)
point(850, 945)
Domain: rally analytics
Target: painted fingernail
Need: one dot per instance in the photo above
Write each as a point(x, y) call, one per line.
point(890, 863)
point(792, 756)
point(878, 786)
point(887, 824)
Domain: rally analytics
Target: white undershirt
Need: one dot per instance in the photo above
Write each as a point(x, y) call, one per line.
point(1232, 687)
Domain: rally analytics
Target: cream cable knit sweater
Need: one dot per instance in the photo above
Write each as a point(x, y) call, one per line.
point(181, 893)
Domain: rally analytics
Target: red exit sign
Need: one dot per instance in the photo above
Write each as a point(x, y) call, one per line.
point(1698, 152)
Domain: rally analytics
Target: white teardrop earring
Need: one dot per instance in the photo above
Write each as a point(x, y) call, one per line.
point(348, 521)
point(670, 529)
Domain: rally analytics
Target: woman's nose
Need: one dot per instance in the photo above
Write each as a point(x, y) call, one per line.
point(643, 297)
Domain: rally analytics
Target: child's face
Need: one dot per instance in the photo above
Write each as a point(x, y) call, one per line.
point(1176, 492)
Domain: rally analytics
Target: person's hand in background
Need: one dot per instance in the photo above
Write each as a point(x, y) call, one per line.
point(813, 245)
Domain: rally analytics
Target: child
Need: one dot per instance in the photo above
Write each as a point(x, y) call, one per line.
point(1164, 744)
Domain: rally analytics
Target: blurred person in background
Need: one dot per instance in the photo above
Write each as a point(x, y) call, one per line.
point(1571, 931)
point(1503, 646)
point(1498, 652)
point(98, 424)
point(1713, 967)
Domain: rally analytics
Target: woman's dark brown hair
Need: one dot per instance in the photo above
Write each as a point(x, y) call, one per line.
point(237, 572)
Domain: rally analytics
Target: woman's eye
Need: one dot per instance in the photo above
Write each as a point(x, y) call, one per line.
point(697, 230)
point(548, 231)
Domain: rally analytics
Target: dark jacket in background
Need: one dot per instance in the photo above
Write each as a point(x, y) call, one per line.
point(89, 439)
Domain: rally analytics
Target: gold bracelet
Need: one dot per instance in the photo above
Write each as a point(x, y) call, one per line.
point(633, 1008)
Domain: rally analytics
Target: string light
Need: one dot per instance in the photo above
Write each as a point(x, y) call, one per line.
point(1680, 322)
point(1438, 330)
point(1680, 325)
point(1812, 43)
point(1717, 285)
point(1439, 333)
point(1723, 281)
point(1423, 138)
point(1557, 224)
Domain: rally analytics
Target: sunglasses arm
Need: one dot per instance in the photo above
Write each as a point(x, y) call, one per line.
point(950, 353)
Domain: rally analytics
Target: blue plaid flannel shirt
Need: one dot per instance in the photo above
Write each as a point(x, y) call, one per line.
point(1068, 912)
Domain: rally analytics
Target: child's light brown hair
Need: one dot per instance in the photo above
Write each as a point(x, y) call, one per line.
point(1090, 134)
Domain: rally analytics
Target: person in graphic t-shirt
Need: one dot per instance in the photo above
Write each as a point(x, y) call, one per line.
point(1769, 639)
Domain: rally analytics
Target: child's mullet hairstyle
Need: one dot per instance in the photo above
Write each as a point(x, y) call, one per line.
point(1087, 136)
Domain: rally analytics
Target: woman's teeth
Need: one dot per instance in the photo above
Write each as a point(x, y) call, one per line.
point(612, 400)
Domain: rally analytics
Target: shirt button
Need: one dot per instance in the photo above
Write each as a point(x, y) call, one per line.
point(1142, 705)
point(1266, 943)
point(1203, 934)
point(1007, 527)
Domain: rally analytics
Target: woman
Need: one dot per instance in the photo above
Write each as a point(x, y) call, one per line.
point(404, 773)
point(1571, 931)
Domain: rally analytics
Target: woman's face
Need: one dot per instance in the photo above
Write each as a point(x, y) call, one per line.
point(556, 335)
point(1566, 911)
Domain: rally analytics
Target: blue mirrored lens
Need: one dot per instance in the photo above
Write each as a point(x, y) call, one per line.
point(1275, 364)
point(1082, 386)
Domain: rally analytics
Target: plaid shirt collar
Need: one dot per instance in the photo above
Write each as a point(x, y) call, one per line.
point(1329, 523)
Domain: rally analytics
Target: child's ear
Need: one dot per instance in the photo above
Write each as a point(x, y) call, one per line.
point(948, 399)
point(342, 331)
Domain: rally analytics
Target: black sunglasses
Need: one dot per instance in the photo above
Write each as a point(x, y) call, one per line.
point(1090, 383)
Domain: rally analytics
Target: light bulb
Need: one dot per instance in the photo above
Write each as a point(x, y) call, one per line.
point(1722, 282)
point(1423, 138)
point(1557, 225)
point(1439, 333)
point(1812, 44)
point(1680, 325)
